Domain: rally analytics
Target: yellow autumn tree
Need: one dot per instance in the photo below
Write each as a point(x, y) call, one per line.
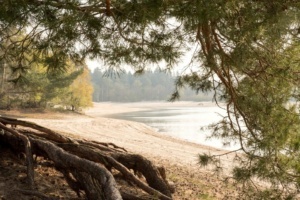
point(80, 92)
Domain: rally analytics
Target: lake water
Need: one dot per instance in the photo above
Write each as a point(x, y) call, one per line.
point(184, 122)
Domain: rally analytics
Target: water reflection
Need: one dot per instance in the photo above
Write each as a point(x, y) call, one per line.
point(186, 123)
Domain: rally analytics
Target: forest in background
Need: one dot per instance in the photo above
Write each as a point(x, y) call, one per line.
point(248, 51)
point(39, 88)
point(78, 87)
point(150, 86)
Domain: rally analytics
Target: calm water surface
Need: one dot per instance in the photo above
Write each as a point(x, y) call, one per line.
point(186, 122)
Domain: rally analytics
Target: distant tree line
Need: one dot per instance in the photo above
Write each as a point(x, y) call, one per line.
point(37, 88)
point(150, 86)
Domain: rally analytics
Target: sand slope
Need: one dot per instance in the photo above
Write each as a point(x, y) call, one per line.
point(135, 137)
point(177, 156)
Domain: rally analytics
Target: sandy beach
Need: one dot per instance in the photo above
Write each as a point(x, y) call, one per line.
point(135, 137)
point(178, 156)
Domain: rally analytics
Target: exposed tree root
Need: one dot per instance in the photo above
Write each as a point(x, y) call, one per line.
point(88, 166)
point(28, 152)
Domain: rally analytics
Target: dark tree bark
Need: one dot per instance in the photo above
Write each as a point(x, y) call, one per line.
point(87, 165)
point(27, 150)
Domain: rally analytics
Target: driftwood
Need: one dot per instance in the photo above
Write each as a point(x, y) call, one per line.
point(89, 167)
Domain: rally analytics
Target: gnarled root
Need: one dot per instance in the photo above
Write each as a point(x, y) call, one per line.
point(89, 166)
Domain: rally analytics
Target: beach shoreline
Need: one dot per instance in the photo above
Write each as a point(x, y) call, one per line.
point(134, 136)
point(179, 157)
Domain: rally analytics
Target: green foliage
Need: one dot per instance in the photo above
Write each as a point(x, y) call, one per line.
point(36, 88)
point(79, 93)
point(246, 51)
point(240, 174)
point(205, 159)
point(194, 81)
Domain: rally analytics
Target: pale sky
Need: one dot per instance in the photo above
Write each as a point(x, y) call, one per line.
point(181, 67)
